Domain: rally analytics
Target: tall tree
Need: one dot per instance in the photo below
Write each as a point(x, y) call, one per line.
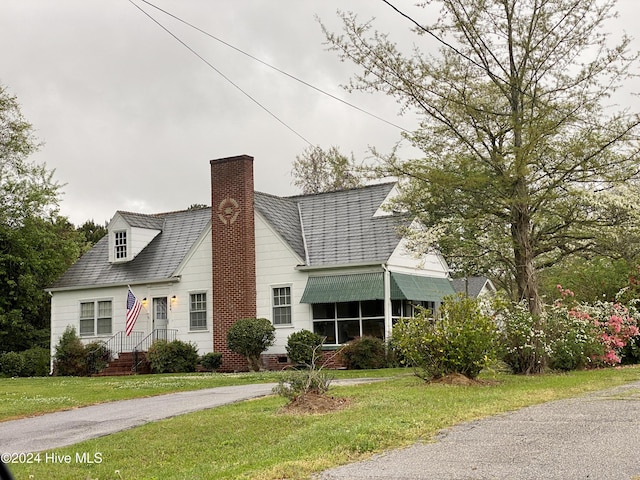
point(317, 170)
point(520, 153)
point(36, 244)
point(92, 232)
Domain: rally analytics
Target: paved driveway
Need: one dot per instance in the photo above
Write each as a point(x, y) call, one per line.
point(592, 437)
point(54, 430)
point(60, 429)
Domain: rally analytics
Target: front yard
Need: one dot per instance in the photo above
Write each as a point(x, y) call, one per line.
point(256, 440)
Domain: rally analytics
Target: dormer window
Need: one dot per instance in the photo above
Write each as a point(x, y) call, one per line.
point(130, 233)
point(120, 245)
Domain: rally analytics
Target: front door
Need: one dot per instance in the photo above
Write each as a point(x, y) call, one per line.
point(160, 319)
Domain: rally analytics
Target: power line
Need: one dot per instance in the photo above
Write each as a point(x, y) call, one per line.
point(293, 77)
point(220, 73)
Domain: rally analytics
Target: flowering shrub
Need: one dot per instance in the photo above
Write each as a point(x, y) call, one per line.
point(525, 346)
point(614, 324)
point(572, 338)
point(567, 336)
point(463, 340)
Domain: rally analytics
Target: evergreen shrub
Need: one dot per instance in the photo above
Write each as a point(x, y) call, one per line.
point(11, 364)
point(172, 357)
point(250, 337)
point(211, 361)
point(70, 357)
point(364, 353)
point(303, 347)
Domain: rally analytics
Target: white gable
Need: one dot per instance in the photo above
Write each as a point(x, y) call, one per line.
point(126, 241)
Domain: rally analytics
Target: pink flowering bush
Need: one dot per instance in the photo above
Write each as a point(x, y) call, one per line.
point(567, 336)
point(602, 330)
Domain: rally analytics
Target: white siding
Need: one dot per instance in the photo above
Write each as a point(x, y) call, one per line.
point(276, 266)
point(403, 260)
point(195, 278)
point(65, 311)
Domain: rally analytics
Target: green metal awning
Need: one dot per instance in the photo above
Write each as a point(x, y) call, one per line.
point(413, 287)
point(344, 288)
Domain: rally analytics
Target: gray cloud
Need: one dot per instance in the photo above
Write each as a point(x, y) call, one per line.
point(130, 118)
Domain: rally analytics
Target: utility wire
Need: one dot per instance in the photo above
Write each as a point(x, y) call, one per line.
point(440, 40)
point(307, 84)
point(220, 73)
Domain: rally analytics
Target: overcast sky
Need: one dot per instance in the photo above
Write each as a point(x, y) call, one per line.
point(130, 118)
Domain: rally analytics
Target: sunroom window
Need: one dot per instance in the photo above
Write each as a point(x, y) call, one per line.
point(345, 321)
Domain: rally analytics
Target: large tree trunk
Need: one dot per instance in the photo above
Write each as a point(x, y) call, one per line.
point(526, 276)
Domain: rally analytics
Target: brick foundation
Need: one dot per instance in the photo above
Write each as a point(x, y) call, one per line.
point(281, 361)
point(232, 251)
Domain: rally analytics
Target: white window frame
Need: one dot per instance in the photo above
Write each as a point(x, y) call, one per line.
point(279, 304)
point(120, 245)
point(198, 311)
point(97, 330)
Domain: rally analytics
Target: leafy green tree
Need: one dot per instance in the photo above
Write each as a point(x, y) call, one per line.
point(32, 256)
point(26, 189)
point(523, 162)
point(36, 244)
point(598, 278)
point(317, 170)
point(92, 232)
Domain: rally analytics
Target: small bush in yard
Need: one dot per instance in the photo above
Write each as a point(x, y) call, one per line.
point(36, 362)
point(302, 346)
point(364, 353)
point(463, 340)
point(211, 361)
point(250, 337)
point(172, 357)
point(296, 383)
point(98, 356)
point(524, 339)
point(70, 357)
point(11, 364)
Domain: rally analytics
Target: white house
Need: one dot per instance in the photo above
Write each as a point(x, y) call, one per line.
point(332, 263)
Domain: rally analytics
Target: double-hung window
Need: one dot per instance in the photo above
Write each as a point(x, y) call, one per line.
point(282, 305)
point(120, 244)
point(198, 311)
point(96, 318)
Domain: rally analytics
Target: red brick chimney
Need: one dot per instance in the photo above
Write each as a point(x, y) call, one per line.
point(233, 251)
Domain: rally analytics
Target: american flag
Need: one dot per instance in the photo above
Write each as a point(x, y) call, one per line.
point(133, 310)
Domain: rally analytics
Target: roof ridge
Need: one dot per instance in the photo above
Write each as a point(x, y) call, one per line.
point(161, 214)
point(363, 187)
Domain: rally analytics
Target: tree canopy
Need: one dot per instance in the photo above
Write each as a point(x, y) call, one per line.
point(36, 243)
point(317, 170)
point(523, 163)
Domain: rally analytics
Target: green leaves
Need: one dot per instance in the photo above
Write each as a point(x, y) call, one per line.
point(250, 337)
point(462, 339)
point(513, 128)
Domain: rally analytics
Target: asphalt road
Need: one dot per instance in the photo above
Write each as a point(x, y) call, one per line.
point(596, 436)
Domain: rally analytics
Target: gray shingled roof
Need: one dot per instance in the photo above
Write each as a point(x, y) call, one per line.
point(340, 227)
point(474, 285)
point(154, 222)
point(283, 215)
point(158, 261)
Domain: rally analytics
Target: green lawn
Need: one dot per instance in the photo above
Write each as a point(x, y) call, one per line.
point(21, 397)
point(254, 440)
